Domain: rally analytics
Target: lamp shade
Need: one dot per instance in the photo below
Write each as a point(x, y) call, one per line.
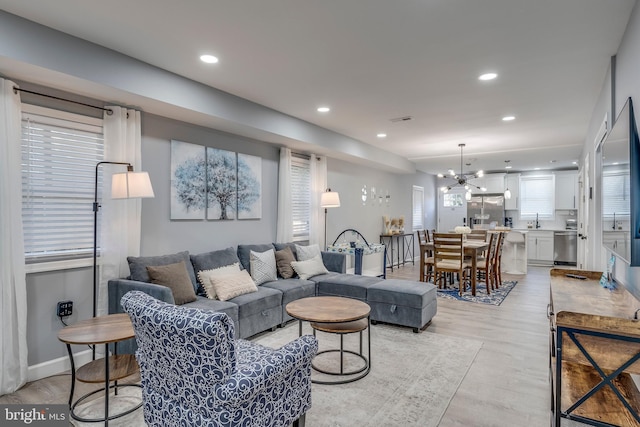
point(131, 185)
point(330, 199)
point(507, 194)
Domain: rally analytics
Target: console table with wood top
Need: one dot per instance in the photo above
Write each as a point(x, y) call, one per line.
point(594, 347)
point(398, 244)
point(101, 330)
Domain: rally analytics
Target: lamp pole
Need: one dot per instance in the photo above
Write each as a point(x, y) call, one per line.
point(96, 207)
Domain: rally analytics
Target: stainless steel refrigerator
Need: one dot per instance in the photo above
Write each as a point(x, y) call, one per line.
point(485, 211)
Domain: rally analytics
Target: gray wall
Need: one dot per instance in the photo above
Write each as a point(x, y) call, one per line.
point(627, 84)
point(160, 235)
point(348, 179)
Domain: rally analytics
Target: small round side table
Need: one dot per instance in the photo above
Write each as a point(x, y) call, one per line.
point(101, 330)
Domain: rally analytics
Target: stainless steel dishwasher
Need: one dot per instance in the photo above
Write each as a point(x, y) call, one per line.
point(565, 247)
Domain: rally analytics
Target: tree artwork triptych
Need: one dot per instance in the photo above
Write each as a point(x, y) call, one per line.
point(214, 184)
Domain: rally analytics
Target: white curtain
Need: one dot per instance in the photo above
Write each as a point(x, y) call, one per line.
point(13, 292)
point(284, 224)
point(120, 218)
point(318, 171)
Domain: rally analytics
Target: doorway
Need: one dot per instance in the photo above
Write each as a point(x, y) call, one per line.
point(583, 215)
point(452, 210)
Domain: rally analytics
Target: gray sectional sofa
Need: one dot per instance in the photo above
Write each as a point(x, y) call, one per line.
point(399, 302)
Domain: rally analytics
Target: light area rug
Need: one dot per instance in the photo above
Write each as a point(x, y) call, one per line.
point(413, 378)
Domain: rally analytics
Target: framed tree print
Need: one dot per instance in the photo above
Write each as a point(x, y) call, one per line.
point(249, 187)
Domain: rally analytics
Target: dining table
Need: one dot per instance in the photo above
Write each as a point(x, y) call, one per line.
point(471, 247)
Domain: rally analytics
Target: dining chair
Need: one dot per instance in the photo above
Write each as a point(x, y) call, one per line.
point(448, 256)
point(477, 234)
point(485, 266)
point(426, 256)
point(498, 261)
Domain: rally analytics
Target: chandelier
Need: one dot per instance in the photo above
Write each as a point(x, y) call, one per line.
point(462, 179)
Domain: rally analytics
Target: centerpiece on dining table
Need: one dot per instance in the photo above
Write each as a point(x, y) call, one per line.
point(462, 229)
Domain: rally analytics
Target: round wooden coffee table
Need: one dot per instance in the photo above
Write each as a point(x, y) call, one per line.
point(336, 315)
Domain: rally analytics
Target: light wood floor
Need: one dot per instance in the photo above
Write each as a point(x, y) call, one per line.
point(507, 384)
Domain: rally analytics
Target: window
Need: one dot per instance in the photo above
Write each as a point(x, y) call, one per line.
point(300, 196)
point(453, 200)
point(418, 208)
point(615, 193)
point(537, 196)
point(59, 154)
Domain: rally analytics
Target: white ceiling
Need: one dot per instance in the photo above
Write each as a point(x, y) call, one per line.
point(375, 60)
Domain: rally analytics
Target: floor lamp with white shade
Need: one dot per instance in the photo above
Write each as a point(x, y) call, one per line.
point(125, 185)
point(329, 199)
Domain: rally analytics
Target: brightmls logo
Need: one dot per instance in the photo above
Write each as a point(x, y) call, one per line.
point(34, 415)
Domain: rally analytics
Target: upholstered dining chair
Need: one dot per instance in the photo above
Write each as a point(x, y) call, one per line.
point(195, 373)
point(448, 256)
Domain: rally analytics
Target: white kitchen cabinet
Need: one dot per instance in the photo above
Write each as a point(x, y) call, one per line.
point(567, 190)
point(494, 183)
point(512, 182)
point(540, 247)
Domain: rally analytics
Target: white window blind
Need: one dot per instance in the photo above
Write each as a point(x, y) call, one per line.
point(537, 196)
point(59, 153)
point(417, 221)
point(615, 194)
point(300, 196)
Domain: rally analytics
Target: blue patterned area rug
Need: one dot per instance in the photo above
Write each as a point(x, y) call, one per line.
point(495, 298)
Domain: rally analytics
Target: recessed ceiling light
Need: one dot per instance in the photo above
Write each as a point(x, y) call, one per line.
point(508, 167)
point(323, 109)
point(488, 76)
point(381, 135)
point(209, 59)
point(575, 163)
point(508, 118)
point(536, 169)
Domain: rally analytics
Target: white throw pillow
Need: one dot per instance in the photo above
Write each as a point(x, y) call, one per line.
point(305, 253)
point(263, 266)
point(205, 276)
point(309, 268)
point(233, 285)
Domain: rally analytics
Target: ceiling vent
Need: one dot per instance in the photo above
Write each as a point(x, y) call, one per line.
point(401, 119)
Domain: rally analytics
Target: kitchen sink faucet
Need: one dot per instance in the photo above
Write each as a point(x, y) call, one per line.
point(537, 223)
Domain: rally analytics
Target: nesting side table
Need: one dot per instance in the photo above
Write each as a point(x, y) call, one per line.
point(95, 331)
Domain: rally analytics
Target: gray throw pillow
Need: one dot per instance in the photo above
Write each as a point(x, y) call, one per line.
point(138, 266)
point(214, 259)
point(176, 278)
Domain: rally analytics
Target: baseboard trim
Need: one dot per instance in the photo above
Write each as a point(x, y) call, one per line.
point(57, 366)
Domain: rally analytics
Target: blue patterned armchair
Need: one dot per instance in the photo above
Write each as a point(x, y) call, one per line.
point(195, 373)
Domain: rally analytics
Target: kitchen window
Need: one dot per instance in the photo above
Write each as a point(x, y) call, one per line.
point(615, 191)
point(537, 197)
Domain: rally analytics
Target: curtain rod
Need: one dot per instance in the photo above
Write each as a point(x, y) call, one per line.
point(17, 89)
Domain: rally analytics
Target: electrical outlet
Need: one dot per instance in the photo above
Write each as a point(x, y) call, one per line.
point(65, 308)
